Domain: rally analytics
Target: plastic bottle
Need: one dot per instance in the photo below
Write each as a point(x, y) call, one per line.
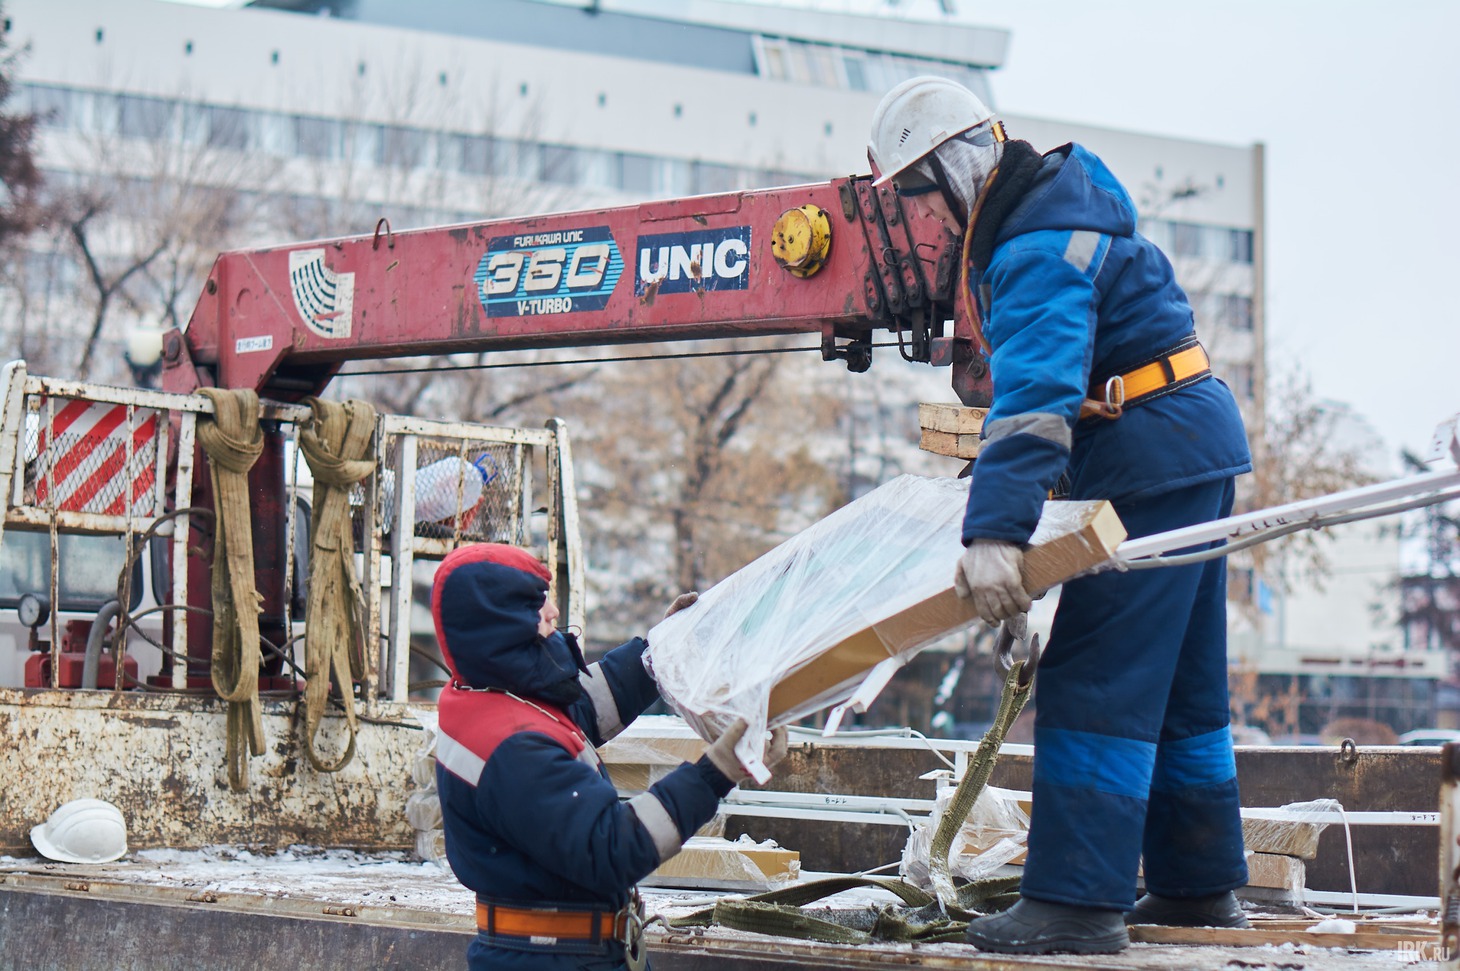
point(436, 486)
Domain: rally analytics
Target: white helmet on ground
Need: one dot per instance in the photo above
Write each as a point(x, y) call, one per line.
point(82, 831)
point(916, 117)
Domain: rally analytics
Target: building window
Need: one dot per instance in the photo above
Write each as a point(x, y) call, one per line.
point(227, 128)
point(1241, 249)
point(770, 58)
point(317, 137)
point(1239, 379)
point(144, 117)
point(636, 174)
point(560, 165)
point(476, 154)
point(403, 148)
point(1185, 239)
point(523, 160)
point(598, 170)
point(51, 105)
point(1237, 312)
point(710, 177)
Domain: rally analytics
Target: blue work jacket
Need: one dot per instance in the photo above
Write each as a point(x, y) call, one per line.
point(1073, 294)
point(530, 815)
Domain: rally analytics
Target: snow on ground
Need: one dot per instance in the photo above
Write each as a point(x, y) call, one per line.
point(386, 880)
point(396, 882)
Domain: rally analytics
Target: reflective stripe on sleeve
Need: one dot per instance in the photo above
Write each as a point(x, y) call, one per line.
point(1081, 249)
point(658, 823)
point(589, 757)
point(459, 760)
point(605, 709)
point(1040, 424)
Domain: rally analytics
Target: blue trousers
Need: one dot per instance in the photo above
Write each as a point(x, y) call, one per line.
point(1132, 745)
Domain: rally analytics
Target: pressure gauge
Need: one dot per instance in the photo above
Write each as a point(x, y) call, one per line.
point(33, 610)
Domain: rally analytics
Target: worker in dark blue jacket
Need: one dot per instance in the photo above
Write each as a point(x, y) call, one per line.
point(1097, 376)
point(533, 824)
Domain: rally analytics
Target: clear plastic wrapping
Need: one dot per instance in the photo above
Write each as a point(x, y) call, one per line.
point(797, 630)
point(715, 862)
point(636, 761)
point(994, 833)
point(1290, 830)
point(845, 602)
point(423, 806)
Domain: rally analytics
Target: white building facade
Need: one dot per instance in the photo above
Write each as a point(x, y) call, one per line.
point(297, 119)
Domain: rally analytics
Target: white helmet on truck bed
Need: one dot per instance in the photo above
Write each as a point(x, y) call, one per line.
point(82, 831)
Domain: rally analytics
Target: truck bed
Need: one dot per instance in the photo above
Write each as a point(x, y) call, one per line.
point(229, 908)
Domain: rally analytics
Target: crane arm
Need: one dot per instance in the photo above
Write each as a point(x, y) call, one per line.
point(842, 259)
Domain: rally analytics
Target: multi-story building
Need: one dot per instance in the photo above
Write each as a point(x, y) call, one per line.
point(318, 116)
point(195, 129)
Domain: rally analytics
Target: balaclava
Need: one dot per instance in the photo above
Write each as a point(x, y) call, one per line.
point(967, 160)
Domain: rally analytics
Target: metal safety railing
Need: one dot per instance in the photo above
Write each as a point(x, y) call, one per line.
point(95, 459)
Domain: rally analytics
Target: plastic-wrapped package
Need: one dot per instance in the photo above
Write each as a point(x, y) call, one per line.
point(423, 806)
point(828, 616)
point(725, 656)
point(638, 759)
point(744, 864)
point(1290, 830)
point(994, 833)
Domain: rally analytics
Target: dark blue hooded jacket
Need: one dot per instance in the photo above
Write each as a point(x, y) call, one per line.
point(1072, 295)
point(530, 815)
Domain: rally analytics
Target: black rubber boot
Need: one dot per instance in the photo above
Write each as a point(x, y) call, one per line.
point(1216, 910)
point(1038, 927)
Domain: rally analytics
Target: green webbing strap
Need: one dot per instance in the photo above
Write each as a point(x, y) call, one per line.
point(799, 894)
point(929, 919)
point(784, 921)
point(980, 767)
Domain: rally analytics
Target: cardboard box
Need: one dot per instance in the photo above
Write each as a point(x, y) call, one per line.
point(717, 863)
point(637, 761)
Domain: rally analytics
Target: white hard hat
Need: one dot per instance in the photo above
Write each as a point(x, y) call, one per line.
point(916, 117)
point(82, 831)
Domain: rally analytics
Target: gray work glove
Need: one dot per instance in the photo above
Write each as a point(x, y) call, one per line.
point(680, 602)
point(988, 574)
point(721, 752)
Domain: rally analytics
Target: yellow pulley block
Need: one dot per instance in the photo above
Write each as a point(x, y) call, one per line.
point(801, 240)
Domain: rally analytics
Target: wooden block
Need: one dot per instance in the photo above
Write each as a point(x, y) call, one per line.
point(1288, 837)
point(950, 444)
point(1275, 871)
point(953, 419)
point(1071, 537)
point(716, 862)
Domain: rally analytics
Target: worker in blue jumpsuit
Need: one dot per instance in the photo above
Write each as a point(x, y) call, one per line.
point(533, 824)
point(1098, 377)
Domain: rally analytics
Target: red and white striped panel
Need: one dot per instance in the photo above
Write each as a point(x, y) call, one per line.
point(87, 460)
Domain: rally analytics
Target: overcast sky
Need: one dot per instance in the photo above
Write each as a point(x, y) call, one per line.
point(1358, 104)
